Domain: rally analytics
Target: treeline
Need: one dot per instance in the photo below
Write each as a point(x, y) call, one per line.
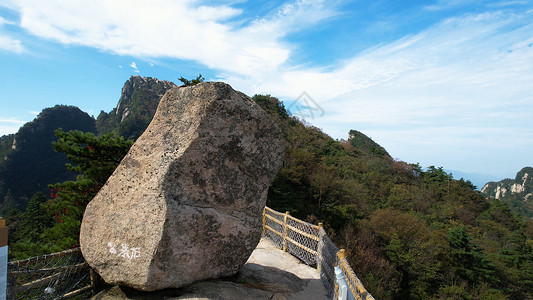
point(409, 233)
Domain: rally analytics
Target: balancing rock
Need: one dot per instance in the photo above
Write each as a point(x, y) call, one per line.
point(185, 204)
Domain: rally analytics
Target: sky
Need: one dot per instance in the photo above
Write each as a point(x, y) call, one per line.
point(446, 82)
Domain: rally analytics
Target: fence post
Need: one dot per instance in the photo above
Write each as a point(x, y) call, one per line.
point(3, 259)
point(264, 220)
point(285, 229)
point(341, 255)
point(318, 252)
point(95, 281)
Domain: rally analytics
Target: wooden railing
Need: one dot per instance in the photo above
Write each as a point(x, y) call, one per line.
point(65, 274)
point(311, 244)
point(60, 275)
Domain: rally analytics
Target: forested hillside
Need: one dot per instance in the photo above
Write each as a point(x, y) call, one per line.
point(408, 233)
point(6, 146)
point(28, 161)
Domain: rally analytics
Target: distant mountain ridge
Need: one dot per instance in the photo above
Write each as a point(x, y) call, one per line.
point(29, 162)
point(517, 192)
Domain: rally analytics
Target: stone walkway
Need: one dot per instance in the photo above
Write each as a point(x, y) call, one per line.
point(269, 273)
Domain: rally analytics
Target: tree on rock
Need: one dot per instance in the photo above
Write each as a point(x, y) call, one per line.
point(195, 81)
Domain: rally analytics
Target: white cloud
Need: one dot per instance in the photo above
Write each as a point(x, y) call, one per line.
point(6, 42)
point(211, 35)
point(463, 62)
point(9, 125)
point(5, 130)
point(446, 4)
point(12, 121)
point(10, 44)
point(133, 65)
point(4, 21)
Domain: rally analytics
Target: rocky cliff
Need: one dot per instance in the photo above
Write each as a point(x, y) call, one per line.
point(517, 192)
point(136, 107)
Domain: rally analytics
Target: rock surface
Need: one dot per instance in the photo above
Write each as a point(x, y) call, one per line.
point(185, 203)
point(269, 273)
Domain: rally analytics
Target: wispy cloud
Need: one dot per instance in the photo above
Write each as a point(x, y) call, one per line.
point(207, 34)
point(461, 85)
point(133, 65)
point(461, 62)
point(446, 4)
point(4, 21)
point(7, 42)
point(5, 130)
point(11, 121)
point(9, 125)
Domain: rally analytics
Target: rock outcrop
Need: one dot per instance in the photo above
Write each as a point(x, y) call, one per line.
point(517, 193)
point(137, 105)
point(185, 203)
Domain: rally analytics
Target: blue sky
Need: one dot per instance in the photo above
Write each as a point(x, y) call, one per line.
point(445, 83)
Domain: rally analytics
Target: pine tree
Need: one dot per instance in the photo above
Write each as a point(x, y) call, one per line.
point(93, 160)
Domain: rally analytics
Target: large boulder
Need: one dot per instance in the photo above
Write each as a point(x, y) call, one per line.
point(185, 203)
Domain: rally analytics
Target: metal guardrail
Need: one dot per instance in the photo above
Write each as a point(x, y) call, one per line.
point(311, 244)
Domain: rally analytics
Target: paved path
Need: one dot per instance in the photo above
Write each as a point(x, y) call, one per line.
point(269, 273)
point(267, 255)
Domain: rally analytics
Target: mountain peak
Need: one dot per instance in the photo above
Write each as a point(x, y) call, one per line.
point(137, 82)
point(365, 144)
point(135, 108)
